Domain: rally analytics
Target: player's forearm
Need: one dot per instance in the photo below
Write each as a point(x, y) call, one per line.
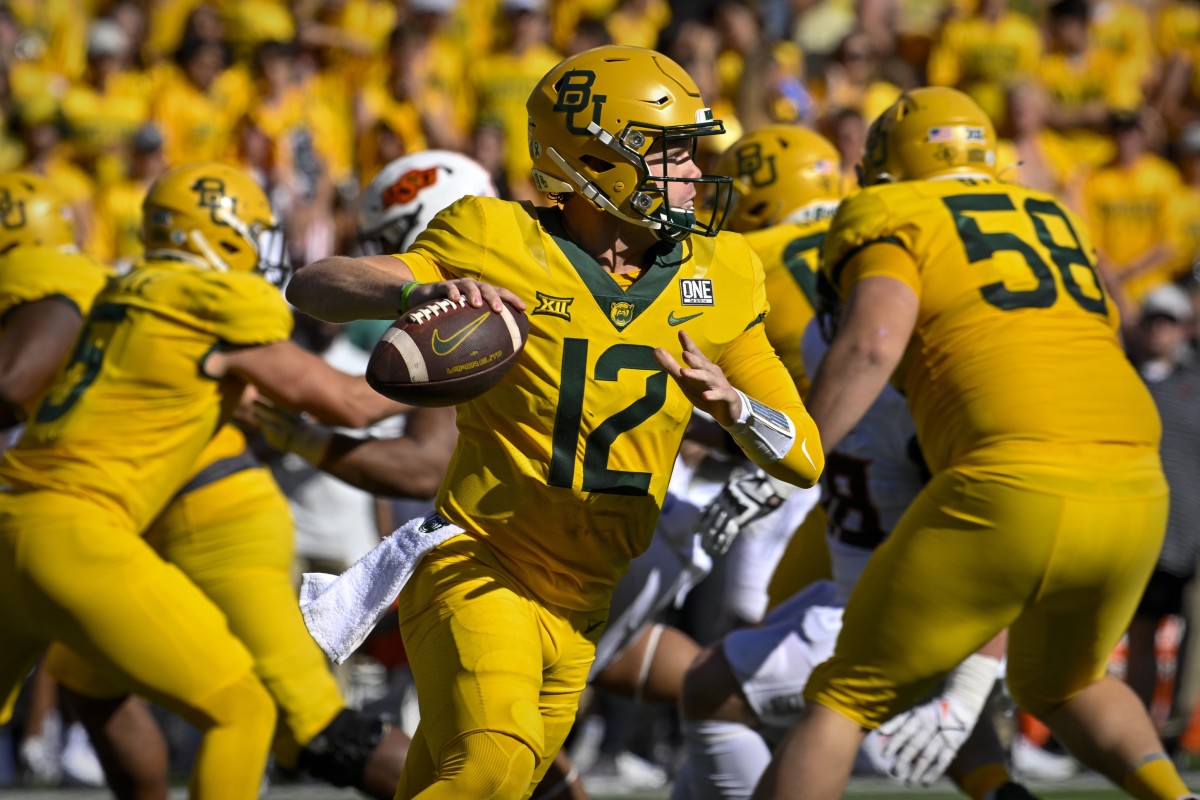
point(803, 463)
point(347, 401)
point(341, 289)
point(1152, 259)
point(386, 467)
point(758, 373)
point(880, 314)
point(851, 376)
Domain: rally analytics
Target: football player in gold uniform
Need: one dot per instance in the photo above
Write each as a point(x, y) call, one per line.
point(560, 470)
point(115, 434)
point(786, 185)
point(229, 530)
point(1047, 504)
point(46, 289)
point(157, 368)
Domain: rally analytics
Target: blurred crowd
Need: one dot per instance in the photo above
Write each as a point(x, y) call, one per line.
point(1096, 101)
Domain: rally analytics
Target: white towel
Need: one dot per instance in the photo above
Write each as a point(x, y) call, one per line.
point(340, 610)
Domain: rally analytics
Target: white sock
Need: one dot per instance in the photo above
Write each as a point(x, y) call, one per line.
point(724, 761)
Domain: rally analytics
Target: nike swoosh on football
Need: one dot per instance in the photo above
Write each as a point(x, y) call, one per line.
point(674, 320)
point(444, 347)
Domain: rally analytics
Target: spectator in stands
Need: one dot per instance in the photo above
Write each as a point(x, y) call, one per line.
point(848, 132)
point(198, 102)
point(1030, 153)
point(1086, 83)
point(504, 79)
point(1128, 208)
point(103, 110)
point(1167, 365)
point(116, 237)
point(853, 80)
point(983, 51)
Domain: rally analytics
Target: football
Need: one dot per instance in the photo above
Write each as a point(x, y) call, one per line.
point(446, 352)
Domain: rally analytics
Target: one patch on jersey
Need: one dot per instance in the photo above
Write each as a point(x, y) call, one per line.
point(553, 306)
point(695, 291)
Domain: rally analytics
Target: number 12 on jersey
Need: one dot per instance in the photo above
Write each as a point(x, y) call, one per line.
point(597, 477)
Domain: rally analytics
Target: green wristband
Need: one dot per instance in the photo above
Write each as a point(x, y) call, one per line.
point(405, 291)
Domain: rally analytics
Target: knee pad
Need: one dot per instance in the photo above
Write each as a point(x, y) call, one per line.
point(488, 764)
point(339, 753)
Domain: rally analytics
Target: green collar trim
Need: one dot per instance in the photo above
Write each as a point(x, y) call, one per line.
point(621, 306)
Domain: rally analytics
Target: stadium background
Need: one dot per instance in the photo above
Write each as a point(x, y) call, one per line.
point(1098, 102)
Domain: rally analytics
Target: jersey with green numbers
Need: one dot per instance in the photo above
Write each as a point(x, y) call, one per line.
point(790, 254)
point(126, 417)
point(1015, 356)
point(563, 466)
point(30, 274)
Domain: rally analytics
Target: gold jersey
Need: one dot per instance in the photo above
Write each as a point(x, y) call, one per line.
point(563, 466)
point(1014, 358)
point(791, 255)
point(1129, 208)
point(117, 222)
point(980, 57)
point(125, 419)
point(30, 274)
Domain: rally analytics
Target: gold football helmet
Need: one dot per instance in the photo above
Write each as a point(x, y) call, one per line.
point(33, 213)
point(781, 173)
point(929, 132)
point(214, 216)
point(594, 118)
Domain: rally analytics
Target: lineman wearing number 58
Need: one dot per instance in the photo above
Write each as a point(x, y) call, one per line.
point(1047, 504)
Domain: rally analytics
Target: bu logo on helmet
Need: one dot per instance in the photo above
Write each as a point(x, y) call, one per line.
point(211, 192)
point(752, 166)
point(12, 215)
point(575, 96)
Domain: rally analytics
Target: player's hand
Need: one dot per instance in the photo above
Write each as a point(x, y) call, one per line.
point(744, 499)
point(292, 433)
point(702, 381)
point(477, 293)
point(916, 746)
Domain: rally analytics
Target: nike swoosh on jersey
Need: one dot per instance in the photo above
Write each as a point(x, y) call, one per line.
point(592, 625)
point(674, 320)
point(444, 347)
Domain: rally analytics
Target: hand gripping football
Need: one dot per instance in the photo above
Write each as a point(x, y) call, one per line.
point(446, 352)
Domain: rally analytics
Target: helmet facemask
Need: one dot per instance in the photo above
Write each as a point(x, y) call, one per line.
point(391, 237)
point(649, 205)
